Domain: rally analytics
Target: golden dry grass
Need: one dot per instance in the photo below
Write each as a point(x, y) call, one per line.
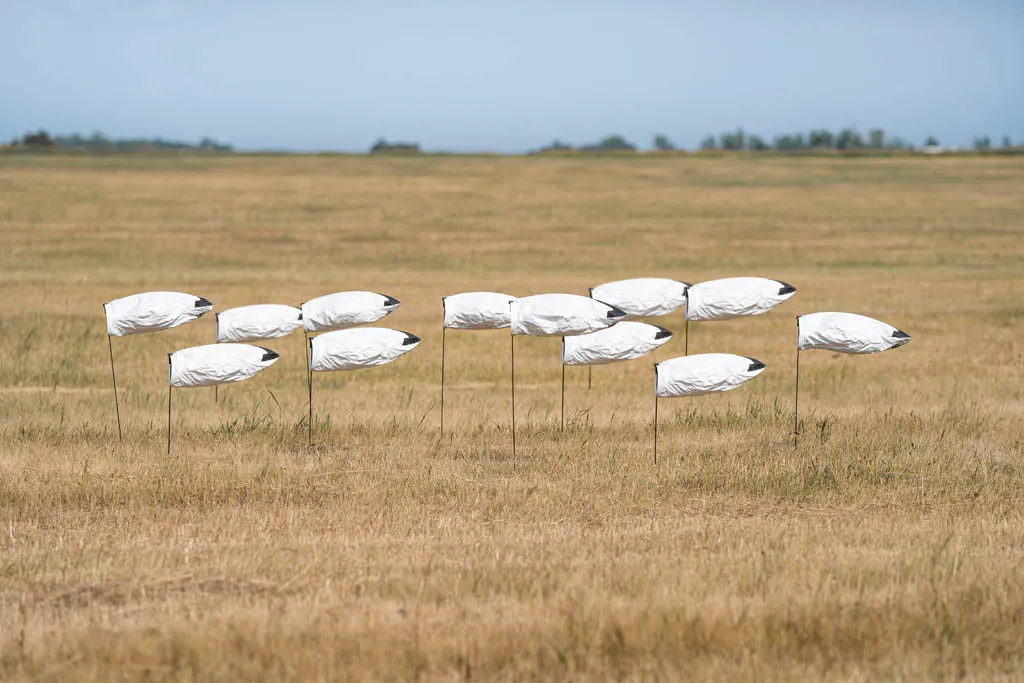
point(888, 545)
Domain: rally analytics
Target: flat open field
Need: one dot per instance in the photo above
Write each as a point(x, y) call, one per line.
point(888, 545)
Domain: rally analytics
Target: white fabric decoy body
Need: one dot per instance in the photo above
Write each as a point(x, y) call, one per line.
point(642, 296)
point(704, 373)
point(260, 321)
point(735, 297)
point(358, 348)
point(153, 312)
point(847, 333)
point(562, 315)
point(212, 364)
point(623, 341)
point(477, 311)
point(346, 309)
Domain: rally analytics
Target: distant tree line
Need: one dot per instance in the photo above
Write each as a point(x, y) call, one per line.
point(101, 143)
point(382, 146)
point(984, 143)
point(820, 139)
point(847, 139)
point(612, 143)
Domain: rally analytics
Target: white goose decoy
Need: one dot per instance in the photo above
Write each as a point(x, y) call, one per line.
point(847, 333)
point(213, 365)
point(148, 312)
point(256, 322)
point(477, 311)
point(153, 312)
point(355, 349)
point(624, 341)
point(472, 311)
point(843, 333)
point(342, 310)
point(561, 315)
point(735, 297)
point(557, 315)
point(643, 296)
point(704, 373)
point(358, 348)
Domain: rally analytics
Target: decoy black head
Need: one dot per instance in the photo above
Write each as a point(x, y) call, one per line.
point(390, 300)
point(410, 339)
point(269, 355)
point(902, 336)
point(203, 303)
point(754, 365)
point(614, 313)
point(662, 333)
point(786, 288)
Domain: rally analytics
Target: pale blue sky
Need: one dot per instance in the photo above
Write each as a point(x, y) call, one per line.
point(508, 76)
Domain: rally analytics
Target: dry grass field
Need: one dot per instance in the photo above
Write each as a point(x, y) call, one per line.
point(888, 545)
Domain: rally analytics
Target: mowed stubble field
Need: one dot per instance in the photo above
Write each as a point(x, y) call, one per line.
point(888, 545)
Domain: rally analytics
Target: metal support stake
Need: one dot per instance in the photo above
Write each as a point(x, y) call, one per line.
point(305, 335)
point(655, 430)
point(309, 382)
point(169, 420)
point(686, 327)
point(513, 338)
point(113, 377)
point(655, 413)
point(563, 384)
point(796, 388)
point(443, 329)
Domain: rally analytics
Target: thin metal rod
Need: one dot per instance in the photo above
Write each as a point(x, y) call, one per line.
point(309, 382)
point(216, 387)
point(686, 326)
point(309, 351)
point(590, 375)
point(563, 388)
point(513, 338)
point(655, 423)
point(443, 329)
point(113, 377)
point(169, 388)
point(796, 389)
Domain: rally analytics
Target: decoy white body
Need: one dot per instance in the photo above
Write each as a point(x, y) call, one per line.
point(735, 297)
point(206, 366)
point(363, 347)
point(642, 296)
point(345, 309)
point(847, 333)
point(260, 321)
point(478, 311)
point(624, 341)
point(153, 312)
point(704, 373)
point(561, 315)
